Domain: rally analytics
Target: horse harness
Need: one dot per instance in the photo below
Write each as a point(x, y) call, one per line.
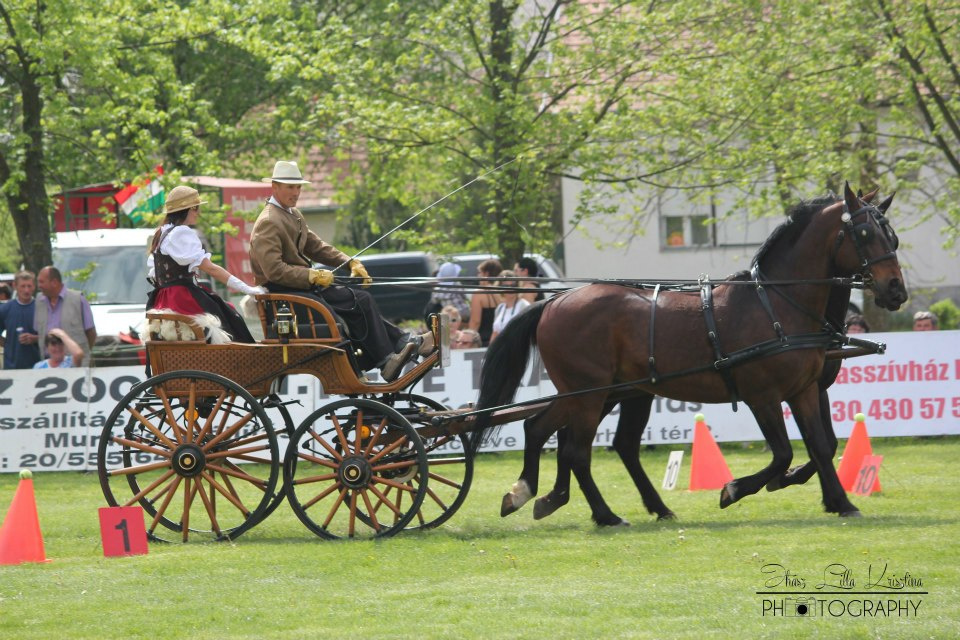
point(830, 336)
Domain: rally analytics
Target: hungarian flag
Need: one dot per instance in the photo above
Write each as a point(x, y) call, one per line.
point(143, 195)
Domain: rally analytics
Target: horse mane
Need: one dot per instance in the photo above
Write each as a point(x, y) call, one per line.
point(798, 217)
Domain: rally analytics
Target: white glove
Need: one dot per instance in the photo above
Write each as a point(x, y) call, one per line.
point(235, 283)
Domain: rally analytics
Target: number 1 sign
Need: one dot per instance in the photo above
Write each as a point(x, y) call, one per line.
point(122, 531)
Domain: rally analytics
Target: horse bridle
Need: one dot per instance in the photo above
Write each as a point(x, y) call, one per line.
point(862, 233)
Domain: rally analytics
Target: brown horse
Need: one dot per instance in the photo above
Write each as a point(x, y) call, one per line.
point(635, 413)
point(756, 337)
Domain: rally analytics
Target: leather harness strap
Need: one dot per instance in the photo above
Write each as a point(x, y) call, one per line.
point(720, 364)
point(653, 314)
point(765, 302)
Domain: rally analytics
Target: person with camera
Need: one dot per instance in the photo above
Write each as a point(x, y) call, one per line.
point(282, 252)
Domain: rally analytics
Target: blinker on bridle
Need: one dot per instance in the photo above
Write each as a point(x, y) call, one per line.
point(863, 233)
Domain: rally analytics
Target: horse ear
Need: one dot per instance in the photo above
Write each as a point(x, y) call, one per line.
point(883, 206)
point(870, 196)
point(851, 199)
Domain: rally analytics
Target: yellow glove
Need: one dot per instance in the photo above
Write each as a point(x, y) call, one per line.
point(358, 271)
point(321, 277)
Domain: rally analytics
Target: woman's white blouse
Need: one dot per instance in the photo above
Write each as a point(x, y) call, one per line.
point(505, 314)
point(183, 245)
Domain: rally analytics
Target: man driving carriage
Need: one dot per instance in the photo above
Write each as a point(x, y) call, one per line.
point(282, 252)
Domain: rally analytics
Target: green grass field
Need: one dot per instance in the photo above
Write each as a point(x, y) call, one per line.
point(480, 576)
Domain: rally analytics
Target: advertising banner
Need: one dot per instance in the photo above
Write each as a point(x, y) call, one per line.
point(51, 420)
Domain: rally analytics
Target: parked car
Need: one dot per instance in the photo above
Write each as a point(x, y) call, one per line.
point(399, 302)
point(117, 287)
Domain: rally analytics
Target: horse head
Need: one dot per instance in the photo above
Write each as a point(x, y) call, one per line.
point(867, 245)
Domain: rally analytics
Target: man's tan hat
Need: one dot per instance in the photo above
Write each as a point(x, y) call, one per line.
point(182, 197)
point(286, 172)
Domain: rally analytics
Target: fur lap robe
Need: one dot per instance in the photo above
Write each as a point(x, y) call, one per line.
point(171, 330)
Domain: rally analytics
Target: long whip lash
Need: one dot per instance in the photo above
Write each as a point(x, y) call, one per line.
point(426, 208)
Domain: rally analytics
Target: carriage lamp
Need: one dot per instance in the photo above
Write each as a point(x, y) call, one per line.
point(284, 323)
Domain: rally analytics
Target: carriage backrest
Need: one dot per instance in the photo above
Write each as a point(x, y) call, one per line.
point(312, 320)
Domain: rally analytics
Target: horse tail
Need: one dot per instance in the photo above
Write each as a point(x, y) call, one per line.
point(504, 364)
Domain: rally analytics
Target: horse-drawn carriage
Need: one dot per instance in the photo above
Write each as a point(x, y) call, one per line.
point(198, 444)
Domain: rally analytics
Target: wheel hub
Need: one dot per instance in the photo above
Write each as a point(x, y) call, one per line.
point(355, 472)
point(188, 460)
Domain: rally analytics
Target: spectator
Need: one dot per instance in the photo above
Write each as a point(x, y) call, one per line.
point(20, 349)
point(512, 306)
point(857, 324)
point(445, 295)
point(925, 321)
point(64, 351)
point(527, 268)
point(483, 305)
point(5, 292)
point(282, 252)
point(177, 256)
point(460, 338)
point(466, 339)
point(58, 307)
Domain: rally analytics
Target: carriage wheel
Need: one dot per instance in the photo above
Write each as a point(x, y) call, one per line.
point(451, 468)
point(347, 470)
point(203, 462)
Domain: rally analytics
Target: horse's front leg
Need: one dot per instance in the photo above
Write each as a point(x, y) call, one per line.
point(770, 419)
point(802, 473)
point(807, 410)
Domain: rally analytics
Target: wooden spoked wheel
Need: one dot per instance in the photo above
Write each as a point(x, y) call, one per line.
point(450, 467)
point(347, 470)
point(196, 451)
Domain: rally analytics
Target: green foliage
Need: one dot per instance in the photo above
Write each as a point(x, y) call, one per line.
point(747, 104)
point(948, 315)
point(483, 576)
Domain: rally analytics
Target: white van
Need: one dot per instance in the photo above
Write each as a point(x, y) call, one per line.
point(117, 286)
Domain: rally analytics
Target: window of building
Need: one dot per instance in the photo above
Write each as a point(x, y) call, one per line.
point(686, 231)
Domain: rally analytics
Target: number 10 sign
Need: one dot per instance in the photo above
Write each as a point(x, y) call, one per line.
point(122, 531)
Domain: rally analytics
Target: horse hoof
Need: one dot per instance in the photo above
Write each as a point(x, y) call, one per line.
point(728, 495)
point(669, 515)
point(542, 508)
point(506, 505)
point(776, 484)
point(851, 514)
point(612, 521)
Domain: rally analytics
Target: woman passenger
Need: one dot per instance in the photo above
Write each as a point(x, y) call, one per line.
point(176, 256)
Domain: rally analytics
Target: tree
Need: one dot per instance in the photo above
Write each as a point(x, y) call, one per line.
point(438, 93)
point(761, 101)
point(100, 91)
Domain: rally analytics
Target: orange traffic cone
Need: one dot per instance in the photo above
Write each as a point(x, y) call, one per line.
point(858, 446)
point(20, 537)
point(708, 469)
